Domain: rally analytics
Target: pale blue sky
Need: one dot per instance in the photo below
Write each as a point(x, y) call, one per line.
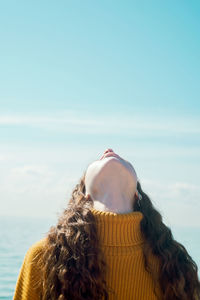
point(79, 76)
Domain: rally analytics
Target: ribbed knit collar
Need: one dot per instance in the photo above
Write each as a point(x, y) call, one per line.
point(118, 229)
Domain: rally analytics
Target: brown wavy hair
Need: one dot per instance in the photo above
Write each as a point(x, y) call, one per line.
point(73, 266)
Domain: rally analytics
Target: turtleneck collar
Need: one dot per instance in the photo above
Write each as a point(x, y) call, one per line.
point(118, 229)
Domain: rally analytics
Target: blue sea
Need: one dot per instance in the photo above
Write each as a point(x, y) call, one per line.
point(17, 234)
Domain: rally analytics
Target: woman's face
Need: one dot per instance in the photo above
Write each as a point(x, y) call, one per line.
point(110, 174)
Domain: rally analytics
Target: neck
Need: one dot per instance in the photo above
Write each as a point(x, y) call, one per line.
point(114, 203)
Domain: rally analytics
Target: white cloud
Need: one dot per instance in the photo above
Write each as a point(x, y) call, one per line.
point(34, 191)
point(77, 122)
point(43, 120)
point(178, 202)
point(5, 157)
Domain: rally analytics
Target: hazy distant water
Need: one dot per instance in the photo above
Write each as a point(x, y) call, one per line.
point(18, 234)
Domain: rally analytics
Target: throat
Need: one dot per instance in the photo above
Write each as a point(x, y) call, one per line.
point(116, 205)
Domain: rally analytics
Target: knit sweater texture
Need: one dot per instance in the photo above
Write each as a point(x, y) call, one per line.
point(122, 242)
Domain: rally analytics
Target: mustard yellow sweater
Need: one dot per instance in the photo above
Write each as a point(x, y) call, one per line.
point(121, 241)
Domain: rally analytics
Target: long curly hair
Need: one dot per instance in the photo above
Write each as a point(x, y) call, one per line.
point(73, 266)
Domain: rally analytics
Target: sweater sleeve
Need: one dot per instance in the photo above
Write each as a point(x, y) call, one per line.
point(27, 287)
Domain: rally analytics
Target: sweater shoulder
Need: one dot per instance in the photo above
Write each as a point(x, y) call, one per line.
point(39, 245)
point(28, 283)
point(36, 250)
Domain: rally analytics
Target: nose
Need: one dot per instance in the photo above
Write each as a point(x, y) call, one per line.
point(108, 153)
point(108, 150)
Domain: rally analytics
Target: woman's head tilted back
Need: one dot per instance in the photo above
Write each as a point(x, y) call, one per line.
point(111, 182)
point(73, 265)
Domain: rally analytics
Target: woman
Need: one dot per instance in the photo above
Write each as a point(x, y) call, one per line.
point(110, 243)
